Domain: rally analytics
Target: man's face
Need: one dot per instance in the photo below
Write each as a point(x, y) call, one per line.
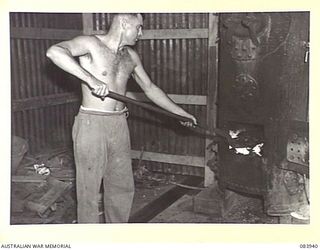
point(133, 30)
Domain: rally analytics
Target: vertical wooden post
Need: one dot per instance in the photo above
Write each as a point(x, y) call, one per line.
point(87, 23)
point(212, 93)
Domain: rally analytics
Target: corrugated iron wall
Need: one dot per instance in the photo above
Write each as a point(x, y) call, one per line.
point(159, 20)
point(32, 76)
point(46, 20)
point(178, 66)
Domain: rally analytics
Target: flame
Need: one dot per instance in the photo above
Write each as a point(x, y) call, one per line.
point(244, 151)
point(257, 149)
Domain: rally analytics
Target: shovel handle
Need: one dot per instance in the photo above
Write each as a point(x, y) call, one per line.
point(214, 132)
point(147, 106)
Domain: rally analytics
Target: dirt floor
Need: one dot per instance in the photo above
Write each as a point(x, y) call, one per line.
point(153, 203)
point(37, 198)
point(244, 211)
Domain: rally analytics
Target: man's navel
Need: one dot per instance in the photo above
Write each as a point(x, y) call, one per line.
point(104, 73)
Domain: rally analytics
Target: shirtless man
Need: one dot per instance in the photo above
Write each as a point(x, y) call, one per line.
point(100, 132)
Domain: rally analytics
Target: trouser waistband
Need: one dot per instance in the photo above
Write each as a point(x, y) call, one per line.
point(102, 112)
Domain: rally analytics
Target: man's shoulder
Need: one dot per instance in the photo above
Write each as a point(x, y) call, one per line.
point(86, 38)
point(130, 49)
point(134, 55)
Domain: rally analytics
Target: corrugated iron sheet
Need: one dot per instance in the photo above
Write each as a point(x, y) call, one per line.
point(45, 128)
point(178, 66)
point(157, 133)
point(46, 20)
point(158, 20)
point(32, 75)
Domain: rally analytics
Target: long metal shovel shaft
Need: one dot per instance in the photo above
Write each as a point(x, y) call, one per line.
point(147, 106)
point(214, 132)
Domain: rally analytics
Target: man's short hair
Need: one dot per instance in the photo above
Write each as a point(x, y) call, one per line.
point(118, 16)
point(143, 15)
point(132, 14)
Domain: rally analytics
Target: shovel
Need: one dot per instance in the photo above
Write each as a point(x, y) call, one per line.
point(210, 133)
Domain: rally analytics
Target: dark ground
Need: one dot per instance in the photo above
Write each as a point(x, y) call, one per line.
point(154, 202)
point(159, 198)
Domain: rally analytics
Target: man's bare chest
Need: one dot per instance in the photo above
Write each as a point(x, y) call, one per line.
point(112, 64)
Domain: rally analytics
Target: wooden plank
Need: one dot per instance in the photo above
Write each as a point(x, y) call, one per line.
point(28, 178)
point(155, 34)
point(58, 99)
point(212, 94)
point(179, 99)
point(44, 101)
point(195, 161)
point(175, 34)
point(43, 33)
point(57, 190)
point(156, 205)
point(66, 34)
point(87, 23)
point(144, 196)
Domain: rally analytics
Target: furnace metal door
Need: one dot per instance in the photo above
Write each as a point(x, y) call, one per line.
point(263, 84)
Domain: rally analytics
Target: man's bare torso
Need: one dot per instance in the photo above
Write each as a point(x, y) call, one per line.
point(112, 68)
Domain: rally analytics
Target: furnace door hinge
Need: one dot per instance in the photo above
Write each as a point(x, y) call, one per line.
point(307, 51)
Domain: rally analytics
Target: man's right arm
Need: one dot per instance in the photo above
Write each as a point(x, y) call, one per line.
point(62, 54)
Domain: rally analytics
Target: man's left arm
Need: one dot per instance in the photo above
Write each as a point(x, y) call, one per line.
point(155, 94)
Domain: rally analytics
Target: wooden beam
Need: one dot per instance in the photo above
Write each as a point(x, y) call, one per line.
point(87, 23)
point(195, 161)
point(57, 189)
point(179, 99)
point(163, 200)
point(66, 34)
point(174, 34)
point(44, 101)
point(212, 95)
point(166, 34)
point(43, 33)
point(58, 99)
point(29, 178)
